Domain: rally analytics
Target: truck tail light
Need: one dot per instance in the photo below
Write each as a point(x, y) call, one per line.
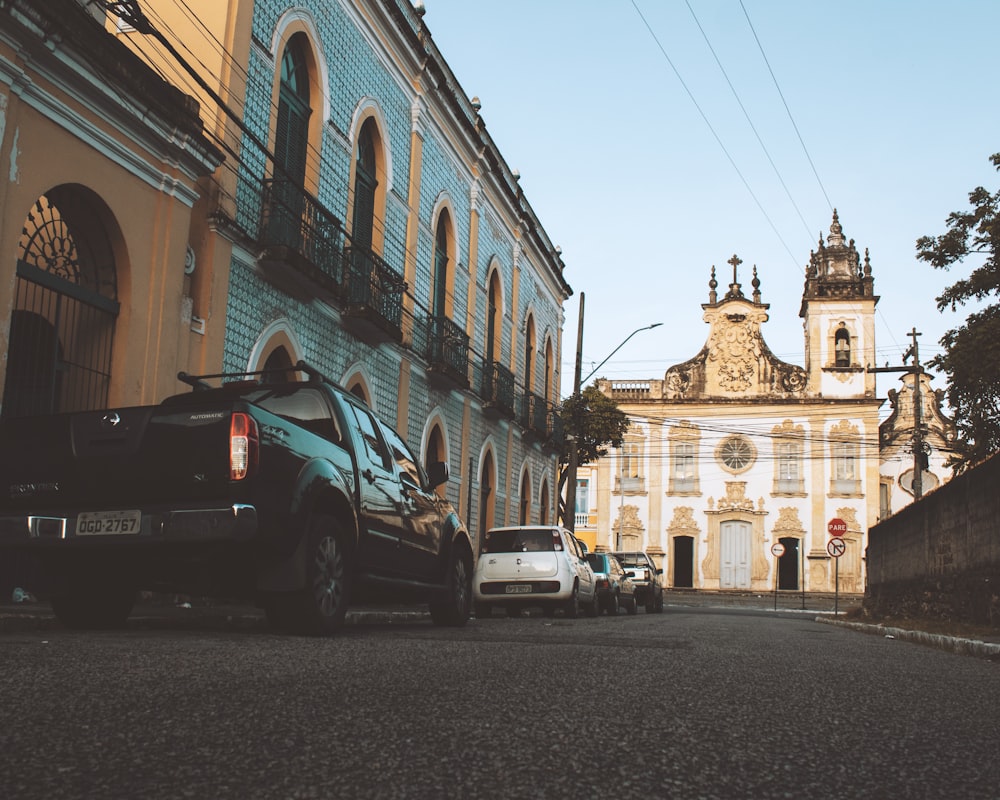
point(244, 446)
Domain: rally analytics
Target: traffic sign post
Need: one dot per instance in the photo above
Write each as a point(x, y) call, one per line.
point(836, 548)
point(777, 550)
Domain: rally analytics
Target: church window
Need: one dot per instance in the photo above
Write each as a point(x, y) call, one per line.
point(845, 455)
point(684, 439)
point(736, 453)
point(683, 472)
point(630, 476)
point(788, 466)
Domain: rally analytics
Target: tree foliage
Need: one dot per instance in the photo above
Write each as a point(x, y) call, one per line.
point(971, 357)
point(595, 422)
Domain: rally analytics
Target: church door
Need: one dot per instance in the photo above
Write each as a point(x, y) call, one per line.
point(735, 544)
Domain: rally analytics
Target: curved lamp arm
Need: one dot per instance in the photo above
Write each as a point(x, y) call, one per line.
point(605, 361)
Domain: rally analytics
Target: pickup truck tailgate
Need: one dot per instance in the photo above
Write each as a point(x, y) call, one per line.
point(129, 456)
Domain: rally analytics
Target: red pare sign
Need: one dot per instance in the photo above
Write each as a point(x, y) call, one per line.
point(836, 527)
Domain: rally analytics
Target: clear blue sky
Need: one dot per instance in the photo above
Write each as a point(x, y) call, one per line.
point(591, 101)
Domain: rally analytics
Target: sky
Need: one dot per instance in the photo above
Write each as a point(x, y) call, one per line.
point(648, 163)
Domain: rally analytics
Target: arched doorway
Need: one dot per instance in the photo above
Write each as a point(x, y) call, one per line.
point(683, 561)
point(543, 504)
point(277, 367)
point(65, 307)
point(436, 452)
point(788, 564)
point(735, 554)
point(487, 481)
point(524, 508)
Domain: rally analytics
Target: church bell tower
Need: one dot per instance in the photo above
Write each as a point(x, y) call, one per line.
point(838, 312)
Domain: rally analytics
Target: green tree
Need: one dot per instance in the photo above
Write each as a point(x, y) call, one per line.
point(971, 357)
point(595, 421)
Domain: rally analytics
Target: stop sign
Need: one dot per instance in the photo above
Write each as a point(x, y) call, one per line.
point(836, 527)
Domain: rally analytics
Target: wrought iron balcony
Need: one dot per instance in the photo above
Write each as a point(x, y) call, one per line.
point(373, 295)
point(302, 242)
point(534, 415)
point(496, 388)
point(556, 433)
point(448, 352)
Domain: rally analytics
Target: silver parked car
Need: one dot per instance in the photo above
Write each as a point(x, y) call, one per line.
point(533, 565)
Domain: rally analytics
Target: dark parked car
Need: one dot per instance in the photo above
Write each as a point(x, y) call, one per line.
point(614, 587)
point(646, 577)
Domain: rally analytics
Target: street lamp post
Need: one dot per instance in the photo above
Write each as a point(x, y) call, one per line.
point(570, 514)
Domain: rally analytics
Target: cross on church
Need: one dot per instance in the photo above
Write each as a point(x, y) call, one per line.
point(734, 287)
point(735, 261)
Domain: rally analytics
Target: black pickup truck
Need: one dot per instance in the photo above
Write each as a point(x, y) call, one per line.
point(291, 494)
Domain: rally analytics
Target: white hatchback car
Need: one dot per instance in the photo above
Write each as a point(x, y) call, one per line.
point(533, 565)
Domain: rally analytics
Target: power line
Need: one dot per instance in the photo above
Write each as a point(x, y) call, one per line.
point(704, 117)
point(746, 114)
point(787, 109)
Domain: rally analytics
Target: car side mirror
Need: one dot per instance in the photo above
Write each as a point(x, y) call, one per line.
point(437, 473)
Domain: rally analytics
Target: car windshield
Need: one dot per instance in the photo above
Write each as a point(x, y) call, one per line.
point(519, 541)
point(632, 559)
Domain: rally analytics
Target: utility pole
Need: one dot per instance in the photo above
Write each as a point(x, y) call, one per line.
point(917, 442)
point(569, 512)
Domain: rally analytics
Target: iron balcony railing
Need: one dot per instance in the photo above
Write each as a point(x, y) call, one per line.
point(496, 387)
point(534, 414)
point(372, 286)
point(448, 348)
point(555, 426)
point(292, 218)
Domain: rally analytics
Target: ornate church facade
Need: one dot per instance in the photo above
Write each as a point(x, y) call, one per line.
point(735, 462)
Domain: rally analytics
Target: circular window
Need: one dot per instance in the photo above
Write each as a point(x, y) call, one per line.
point(736, 453)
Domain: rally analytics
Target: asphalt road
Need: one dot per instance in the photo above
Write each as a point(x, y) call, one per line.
point(694, 703)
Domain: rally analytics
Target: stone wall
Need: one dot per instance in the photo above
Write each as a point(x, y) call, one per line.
point(940, 557)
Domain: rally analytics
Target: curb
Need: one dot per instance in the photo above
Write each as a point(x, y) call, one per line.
point(239, 619)
point(952, 644)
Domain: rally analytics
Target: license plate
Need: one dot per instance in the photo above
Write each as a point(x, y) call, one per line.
point(93, 523)
point(518, 588)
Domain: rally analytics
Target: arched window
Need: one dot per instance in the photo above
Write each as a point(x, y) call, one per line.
point(365, 185)
point(842, 346)
point(494, 317)
point(549, 372)
point(291, 139)
point(65, 306)
point(442, 262)
point(529, 355)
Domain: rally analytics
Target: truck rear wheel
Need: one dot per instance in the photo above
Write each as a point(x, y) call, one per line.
point(320, 606)
point(453, 609)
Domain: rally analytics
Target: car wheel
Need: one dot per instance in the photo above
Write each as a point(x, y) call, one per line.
point(453, 609)
point(82, 603)
point(659, 603)
point(632, 607)
point(613, 605)
point(572, 606)
point(320, 606)
point(484, 611)
point(594, 608)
